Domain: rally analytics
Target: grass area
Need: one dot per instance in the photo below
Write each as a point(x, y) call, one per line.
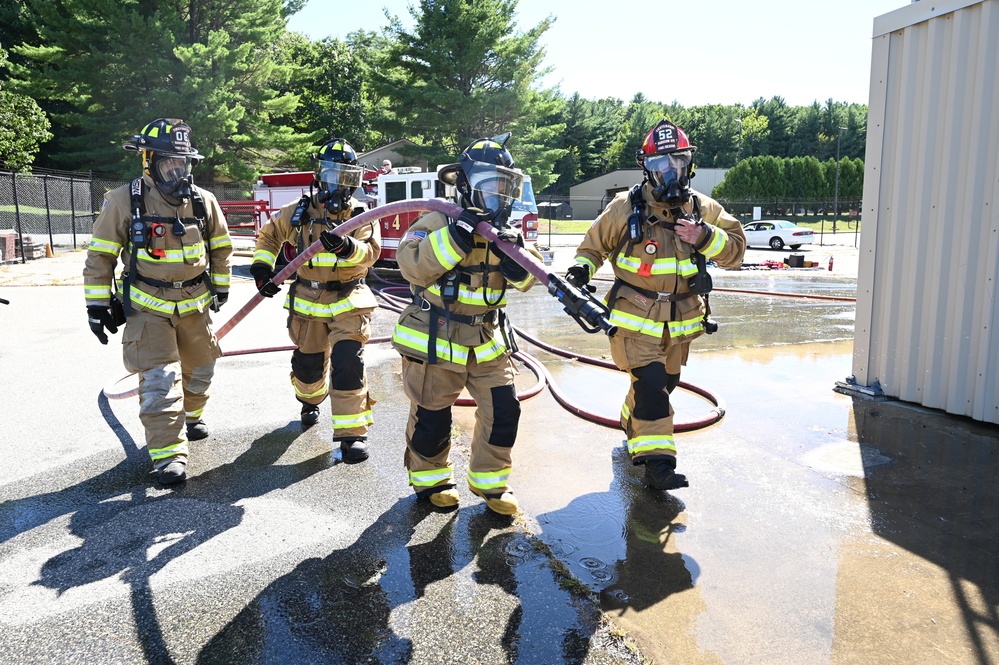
point(564, 225)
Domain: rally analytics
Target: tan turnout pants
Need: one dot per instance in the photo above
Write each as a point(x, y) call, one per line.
point(350, 406)
point(648, 438)
point(175, 360)
point(432, 392)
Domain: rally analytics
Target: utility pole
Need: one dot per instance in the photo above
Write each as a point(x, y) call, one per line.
point(839, 131)
point(738, 156)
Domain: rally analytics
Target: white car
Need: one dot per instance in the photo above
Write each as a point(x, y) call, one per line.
point(776, 233)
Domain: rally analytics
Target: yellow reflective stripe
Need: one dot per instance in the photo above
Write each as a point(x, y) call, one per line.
point(489, 479)
point(105, 246)
point(176, 449)
point(194, 415)
point(667, 266)
point(357, 256)
point(219, 241)
point(418, 341)
point(717, 244)
point(328, 259)
point(430, 477)
point(625, 411)
point(688, 327)
point(353, 420)
point(220, 279)
point(318, 309)
point(265, 257)
point(299, 393)
point(444, 248)
point(470, 296)
point(583, 261)
point(142, 298)
point(642, 444)
point(491, 349)
point(97, 292)
point(188, 253)
point(636, 323)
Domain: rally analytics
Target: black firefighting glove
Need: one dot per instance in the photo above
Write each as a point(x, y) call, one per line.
point(221, 298)
point(509, 267)
point(463, 227)
point(578, 275)
point(263, 275)
point(99, 317)
point(339, 245)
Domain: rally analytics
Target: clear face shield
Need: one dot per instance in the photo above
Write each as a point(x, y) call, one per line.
point(495, 188)
point(337, 182)
point(669, 176)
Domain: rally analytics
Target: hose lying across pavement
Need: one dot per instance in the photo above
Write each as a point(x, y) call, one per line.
point(395, 303)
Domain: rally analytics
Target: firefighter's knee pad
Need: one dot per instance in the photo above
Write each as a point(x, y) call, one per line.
point(307, 367)
point(506, 416)
point(651, 398)
point(347, 365)
point(672, 381)
point(432, 432)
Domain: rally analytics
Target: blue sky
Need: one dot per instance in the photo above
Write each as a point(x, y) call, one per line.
point(722, 52)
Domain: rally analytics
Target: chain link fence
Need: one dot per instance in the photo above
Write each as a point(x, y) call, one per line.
point(55, 211)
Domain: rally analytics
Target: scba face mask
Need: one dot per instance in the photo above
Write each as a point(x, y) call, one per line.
point(670, 176)
point(172, 175)
point(337, 183)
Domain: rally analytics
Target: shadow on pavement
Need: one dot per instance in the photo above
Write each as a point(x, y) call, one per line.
point(932, 485)
point(355, 604)
point(120, 525)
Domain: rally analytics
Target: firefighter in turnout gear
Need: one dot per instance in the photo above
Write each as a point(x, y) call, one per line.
point(174, 243)
point(658, 238)
point(329, 305)
point(456, 334)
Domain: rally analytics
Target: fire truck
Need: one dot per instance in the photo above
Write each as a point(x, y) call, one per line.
point(275, 190)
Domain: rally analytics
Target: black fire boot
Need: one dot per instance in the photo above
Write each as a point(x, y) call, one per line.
point(661, 474)
point(310, 415)
point(354, 450)
point(173, 473)
point(196, 430)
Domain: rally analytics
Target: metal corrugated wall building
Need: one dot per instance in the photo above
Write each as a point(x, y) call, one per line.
point(927, 314)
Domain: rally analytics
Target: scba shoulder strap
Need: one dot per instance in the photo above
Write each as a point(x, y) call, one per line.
point(139, 234)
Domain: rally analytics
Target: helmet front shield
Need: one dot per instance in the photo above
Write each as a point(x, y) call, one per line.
point(494, 187)
point(336, 175)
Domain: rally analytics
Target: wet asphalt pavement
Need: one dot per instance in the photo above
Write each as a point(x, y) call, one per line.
point(818, 528)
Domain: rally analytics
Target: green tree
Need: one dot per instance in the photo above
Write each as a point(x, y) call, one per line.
point(640, 116)
point(465, 72)
point(109, 68)
point(23, 126)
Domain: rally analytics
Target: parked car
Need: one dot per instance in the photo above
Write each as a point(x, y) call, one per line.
point(776, 233)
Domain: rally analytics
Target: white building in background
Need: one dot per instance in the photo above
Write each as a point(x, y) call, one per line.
point(588, 198)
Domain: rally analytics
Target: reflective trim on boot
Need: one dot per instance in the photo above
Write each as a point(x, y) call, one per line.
point(354, 450)
point(173, 473)
point(196, 430)
point(504, 504)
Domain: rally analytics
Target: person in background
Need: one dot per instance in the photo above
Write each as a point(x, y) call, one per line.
point(387, 168)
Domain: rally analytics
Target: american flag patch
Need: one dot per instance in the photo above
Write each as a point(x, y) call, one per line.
point(415, 235)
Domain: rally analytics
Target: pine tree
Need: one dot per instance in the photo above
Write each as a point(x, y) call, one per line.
point(106, 68)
